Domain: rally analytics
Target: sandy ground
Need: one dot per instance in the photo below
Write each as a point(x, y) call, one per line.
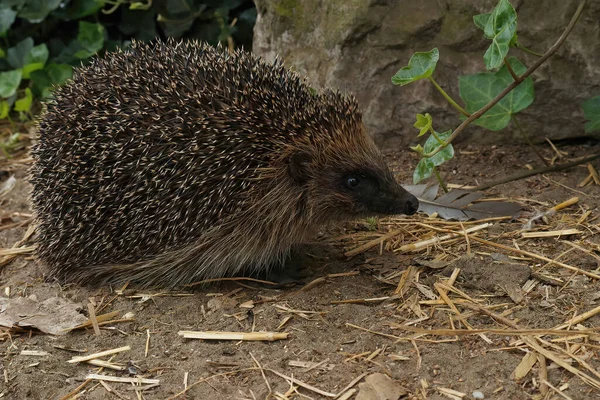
point(347, 340)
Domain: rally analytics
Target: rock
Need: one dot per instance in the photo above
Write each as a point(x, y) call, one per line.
point(359, 45)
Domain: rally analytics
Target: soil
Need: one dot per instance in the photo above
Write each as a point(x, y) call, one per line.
point(331, 334)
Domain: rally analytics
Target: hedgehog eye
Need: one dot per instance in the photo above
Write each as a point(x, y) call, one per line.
point(352, 182)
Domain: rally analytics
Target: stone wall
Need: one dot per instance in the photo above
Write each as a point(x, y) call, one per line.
point(358, 45)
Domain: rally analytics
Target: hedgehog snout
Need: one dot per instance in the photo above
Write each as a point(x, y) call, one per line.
point(411, 205)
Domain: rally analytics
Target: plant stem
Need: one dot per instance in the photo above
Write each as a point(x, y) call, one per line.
point(448, 98)
point(513, 85)
point(440, 180)
point(512, 72)
point(440, 141)
point(543, 170)
point(528, 140)
point(526, 50)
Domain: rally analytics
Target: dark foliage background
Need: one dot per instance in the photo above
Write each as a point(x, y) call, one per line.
point(41, 40)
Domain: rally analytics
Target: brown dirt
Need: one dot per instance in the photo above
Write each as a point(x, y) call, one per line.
point(466, 365)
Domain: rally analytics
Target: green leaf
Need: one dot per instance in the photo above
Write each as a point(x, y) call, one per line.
point(91, 38)
point(4, 109)
point(38, 54)
point(9, 82)
point(24, 104)
point(2, 53)
point(29, 68)
point(420, 66)
point(423, 170)
point(17, 55)
point(59, 73)
point(479, 89)
point(35, 59)
point(591, 111)
point(423, 123)
point(481, 20)
point(426, 165)
point(78, 9)
point(7, 18)
point(52, 74)
point(443, 155)
point(36, 11)
point(501, 27)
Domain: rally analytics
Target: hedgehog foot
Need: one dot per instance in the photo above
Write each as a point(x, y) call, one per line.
point(291, 271)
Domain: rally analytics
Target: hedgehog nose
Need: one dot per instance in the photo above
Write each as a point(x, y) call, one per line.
point(411, 206)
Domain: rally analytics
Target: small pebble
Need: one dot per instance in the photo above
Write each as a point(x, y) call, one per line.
point(478, 395)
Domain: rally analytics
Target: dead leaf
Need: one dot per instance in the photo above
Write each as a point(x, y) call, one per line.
point(7, 186)
point(457, 204)
point(380, 387)
point(54, 316)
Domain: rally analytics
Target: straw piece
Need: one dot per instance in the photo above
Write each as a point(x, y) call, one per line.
point(372, 243)
point(527, 362)
point(304, 385)
point(533, 255)
point(106, 364)
point(245, 336)
point(564, 232)
point(594, 173)
point(98, 355)
point(120, 379)
point(438, 239)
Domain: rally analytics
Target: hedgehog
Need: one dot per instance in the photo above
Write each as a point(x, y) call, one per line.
point(171, 162)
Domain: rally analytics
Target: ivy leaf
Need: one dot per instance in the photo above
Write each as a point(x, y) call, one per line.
point(423, 170)
point(35, 59)
point(51, 75)
point(24, 104)
point(479, 89)
point(481, 20)
point(29, 68)
point(501, 27)
point(35, 11)
point(38, 54)
point(423, 123)
point(7, 18)
point(426, 165)
point(591, 111)
point(91, 38)
point(17, 55)
point(443, 155)
point(78, 9)
point(9, 82)
point(420, 66)
point(4, 109)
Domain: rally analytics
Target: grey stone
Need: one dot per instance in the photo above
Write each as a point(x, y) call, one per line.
point(358, 45)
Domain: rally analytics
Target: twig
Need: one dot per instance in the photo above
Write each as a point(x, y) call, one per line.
point(516, 77)
point(543, 170)
point(513, 85)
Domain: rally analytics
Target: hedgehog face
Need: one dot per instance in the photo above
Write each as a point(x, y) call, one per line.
point(348, 190)
point(373, 193)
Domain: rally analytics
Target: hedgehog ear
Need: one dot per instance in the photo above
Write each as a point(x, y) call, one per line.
point(298, 166)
